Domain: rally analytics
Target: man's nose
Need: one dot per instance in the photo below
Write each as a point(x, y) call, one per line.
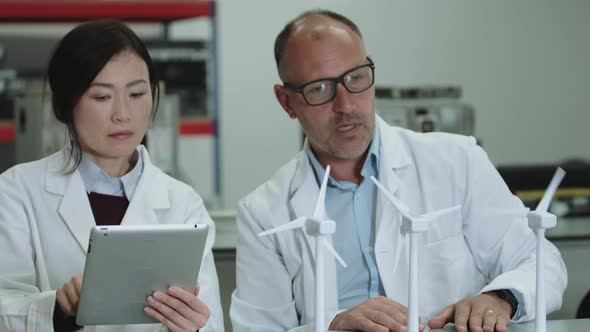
point(343, 100)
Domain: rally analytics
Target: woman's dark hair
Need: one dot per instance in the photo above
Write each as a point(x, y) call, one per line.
point(77, 60)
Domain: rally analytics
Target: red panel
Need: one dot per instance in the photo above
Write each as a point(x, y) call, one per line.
point(6, 132)
point(14, 10)
point(196, 128)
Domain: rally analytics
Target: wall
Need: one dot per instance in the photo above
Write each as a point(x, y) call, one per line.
point(522, 64)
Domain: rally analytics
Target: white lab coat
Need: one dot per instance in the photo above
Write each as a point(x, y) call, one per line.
point(45, 222)
point(486, 245)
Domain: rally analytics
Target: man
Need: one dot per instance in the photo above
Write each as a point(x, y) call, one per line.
point(477, 265)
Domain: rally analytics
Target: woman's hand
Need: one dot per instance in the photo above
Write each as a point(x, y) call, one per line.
point(68, 296)
point(178, 309)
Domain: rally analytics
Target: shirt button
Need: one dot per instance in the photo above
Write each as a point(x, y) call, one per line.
point(370, 248)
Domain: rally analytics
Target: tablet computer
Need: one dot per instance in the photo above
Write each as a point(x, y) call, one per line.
point(126, 264)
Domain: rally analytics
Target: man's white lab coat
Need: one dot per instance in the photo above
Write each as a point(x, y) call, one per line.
point(486, 245)
point(45, 222)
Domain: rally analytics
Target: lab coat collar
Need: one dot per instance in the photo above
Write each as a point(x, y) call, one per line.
point(151, 194)
point(304, 191)
point(394, 157)
point(394, 152)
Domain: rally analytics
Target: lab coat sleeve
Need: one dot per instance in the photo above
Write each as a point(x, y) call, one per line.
point(263, 300)
point(208, 281)
point(502, 244)
point(22, 305)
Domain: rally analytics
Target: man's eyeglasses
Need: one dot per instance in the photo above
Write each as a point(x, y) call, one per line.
point(323, 90)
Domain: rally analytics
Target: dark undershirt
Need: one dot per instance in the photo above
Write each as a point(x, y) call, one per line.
point(108, 209)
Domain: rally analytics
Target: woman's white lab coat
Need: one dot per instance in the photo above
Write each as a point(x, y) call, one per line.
point(486, 245)
point(45, 222)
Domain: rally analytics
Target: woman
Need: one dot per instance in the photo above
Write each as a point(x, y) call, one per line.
point(104, 90)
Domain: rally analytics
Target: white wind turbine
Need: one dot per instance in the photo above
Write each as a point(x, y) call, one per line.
point(413, 225)
point(321, 229)
point(539, 221)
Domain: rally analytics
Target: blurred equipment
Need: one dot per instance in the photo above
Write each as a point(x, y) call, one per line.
point(182, 66)
point(38, 133)
point(426, 109)
point(9, 87)
point(162, 135)
point(2, 53)
point(572, 199)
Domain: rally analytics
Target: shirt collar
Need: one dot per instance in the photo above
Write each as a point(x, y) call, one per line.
point(97, 180)
point(370, 166)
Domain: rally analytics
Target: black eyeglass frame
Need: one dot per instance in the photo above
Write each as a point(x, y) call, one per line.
point(336, 80)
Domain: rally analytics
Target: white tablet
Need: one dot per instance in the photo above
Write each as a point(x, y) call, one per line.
point(125, 264)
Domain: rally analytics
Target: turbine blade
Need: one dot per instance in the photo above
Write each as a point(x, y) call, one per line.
point(297, 223)
point(436, 214)
point(320, 208)
point(399, 205)
point(551, 189)
point(333, 252)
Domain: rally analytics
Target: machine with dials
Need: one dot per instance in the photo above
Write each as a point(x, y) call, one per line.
point(426, 109)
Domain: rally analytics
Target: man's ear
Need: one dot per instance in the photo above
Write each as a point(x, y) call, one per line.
point(283, 98)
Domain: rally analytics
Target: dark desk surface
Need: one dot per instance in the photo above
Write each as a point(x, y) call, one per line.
point(570, 325)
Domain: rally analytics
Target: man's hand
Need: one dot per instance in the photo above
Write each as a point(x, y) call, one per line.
point(485, 312)
point(178, 309)
point(68, 296)
point(378, 314)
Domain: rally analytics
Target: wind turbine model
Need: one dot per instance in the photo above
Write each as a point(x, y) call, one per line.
point(413, 225)
point(539, 221)
point(320, 228)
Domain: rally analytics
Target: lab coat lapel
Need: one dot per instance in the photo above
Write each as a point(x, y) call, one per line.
point(304, 192)
point(389, 242)
point(74, 207)
point(304, 198)
point(150, 195)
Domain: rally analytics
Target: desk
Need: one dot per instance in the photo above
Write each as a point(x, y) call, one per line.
point(568, 325)
point(572, 237)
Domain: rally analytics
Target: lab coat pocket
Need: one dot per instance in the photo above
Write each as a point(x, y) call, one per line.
point(443, 227)
point(443, 258)
point(442, 268)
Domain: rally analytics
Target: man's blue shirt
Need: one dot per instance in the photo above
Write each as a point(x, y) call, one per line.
point(352, 207)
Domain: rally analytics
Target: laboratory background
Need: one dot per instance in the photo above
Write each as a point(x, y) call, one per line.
point(513, 74)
